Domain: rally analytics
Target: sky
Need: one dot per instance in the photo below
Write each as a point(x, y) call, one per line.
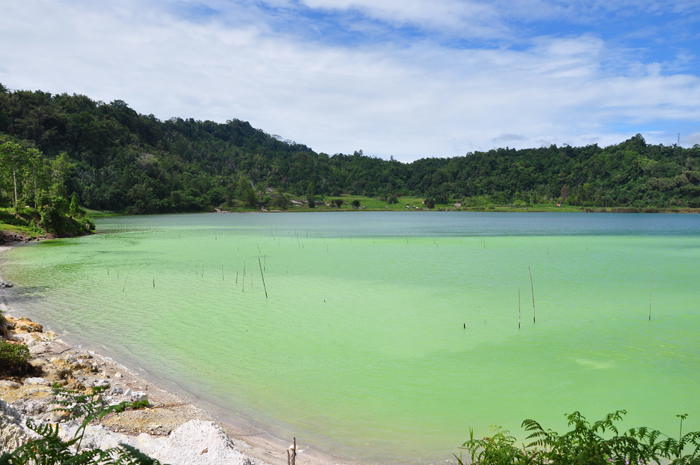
point(402, 78)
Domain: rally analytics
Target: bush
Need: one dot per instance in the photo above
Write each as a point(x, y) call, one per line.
point(14, 358)
point(600, 443)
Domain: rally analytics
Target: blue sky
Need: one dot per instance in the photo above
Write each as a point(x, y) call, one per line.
point(408, 78)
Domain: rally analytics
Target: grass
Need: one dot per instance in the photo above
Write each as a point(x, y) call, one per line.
point(21, 223)
point(416, 204)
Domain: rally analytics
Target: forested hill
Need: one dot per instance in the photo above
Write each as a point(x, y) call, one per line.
point(113, 158)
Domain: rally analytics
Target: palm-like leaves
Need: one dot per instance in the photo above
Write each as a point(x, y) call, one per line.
point(600, 443)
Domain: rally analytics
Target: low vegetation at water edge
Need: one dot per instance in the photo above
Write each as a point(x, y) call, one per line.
point(598, 443)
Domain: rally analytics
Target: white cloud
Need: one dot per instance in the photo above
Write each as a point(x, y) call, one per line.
point(470, 18)
point(420, 100)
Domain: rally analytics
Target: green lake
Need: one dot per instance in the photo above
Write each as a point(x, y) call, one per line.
point(386, 336)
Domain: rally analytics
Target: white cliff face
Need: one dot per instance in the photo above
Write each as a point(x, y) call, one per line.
point(12, 430)
point(196, 442)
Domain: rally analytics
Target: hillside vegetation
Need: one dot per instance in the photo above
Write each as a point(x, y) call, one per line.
point(113, 158)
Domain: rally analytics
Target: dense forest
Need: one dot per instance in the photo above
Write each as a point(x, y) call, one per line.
point(109, 157)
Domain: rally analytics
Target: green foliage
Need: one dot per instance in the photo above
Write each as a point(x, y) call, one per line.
point(311, 195)
point(14, 358)
point(50, 449)
point(246, 193)
point(355, 203)
point(599, 443)
point(115, 159)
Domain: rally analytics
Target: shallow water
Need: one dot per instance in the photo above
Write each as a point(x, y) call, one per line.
point(360, 347)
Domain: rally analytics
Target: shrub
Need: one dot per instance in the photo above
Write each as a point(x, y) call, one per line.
point(14, 358)
point(600, 443)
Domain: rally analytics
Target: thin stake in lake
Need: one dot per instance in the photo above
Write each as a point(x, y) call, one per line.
point(651, 270)
point(263, 277)
point(532, 289)
point(126, 279)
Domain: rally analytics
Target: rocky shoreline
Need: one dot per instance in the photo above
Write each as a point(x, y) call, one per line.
point(170, 429)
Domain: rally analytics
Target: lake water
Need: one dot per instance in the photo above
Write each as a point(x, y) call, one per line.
point(386, 336)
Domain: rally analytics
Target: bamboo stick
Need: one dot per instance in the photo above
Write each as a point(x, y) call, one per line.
point(532, 288)
point(263, 277)
point(651, 270)
point(126, 279)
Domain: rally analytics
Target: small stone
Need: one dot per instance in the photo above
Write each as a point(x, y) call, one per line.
point(129, 392)
point(116, 390)
point(35, 381)
point(25, 325)
point(138, 396)
point(102, 383)
point(6, 383)
point(118, 375)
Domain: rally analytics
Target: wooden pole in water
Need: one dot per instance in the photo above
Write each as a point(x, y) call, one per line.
point(651, 270)
point(532, 288)
point(263, 277)
point(126, 279)
point(154, 282)
point(518, 308)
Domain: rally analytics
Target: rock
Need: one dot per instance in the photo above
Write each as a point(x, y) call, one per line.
point(6, 383)
point(129, 392)
point(118, 375)
point(25, 325)
point(117, 391)
point(4, 285)
point(11, 433)
point(102, 383)
point(138, 396)
point(35, 381)
point(38, 348)
point(31, 407)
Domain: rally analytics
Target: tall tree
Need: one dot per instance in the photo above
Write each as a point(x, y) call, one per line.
point(13, 162)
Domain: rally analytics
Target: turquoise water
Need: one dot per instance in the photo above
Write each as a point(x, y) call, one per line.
point(360, 347)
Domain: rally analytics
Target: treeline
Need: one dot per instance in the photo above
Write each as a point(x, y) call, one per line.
point(113, 158)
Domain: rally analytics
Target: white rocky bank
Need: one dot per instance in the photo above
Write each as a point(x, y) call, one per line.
point(170, 430)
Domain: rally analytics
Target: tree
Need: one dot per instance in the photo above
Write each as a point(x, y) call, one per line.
point(74, 208)
point(246, 193)
point(61, 170)
point(356, 204)
point(13, 159)
point(35, 173)
point(564, 192)
point(311, 195)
